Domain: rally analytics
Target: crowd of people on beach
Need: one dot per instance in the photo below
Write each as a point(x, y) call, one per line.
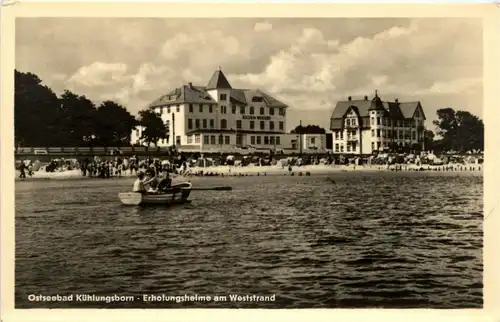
point(198, 165)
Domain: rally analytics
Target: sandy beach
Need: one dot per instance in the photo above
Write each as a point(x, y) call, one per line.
point(278, 170)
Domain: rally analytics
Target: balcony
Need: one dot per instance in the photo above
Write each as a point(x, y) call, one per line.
point(351, 126)
point(353, 139)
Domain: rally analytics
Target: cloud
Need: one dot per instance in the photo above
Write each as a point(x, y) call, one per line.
point(98, 74)
point(263, 26)
point(307, 63)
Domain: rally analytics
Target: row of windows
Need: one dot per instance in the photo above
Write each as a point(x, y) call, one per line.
point(223, 109)
point(226, 139)
point(395, 134)
point(390, 134)
point(353, 147)
point(204, 124)
point(384, 121)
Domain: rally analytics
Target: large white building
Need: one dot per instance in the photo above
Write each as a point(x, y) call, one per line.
point(218, 117)
point(367, 126)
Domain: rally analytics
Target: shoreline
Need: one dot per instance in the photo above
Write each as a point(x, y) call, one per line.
point(236, 171)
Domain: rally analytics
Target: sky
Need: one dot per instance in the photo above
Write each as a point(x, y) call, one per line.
point(309, 64)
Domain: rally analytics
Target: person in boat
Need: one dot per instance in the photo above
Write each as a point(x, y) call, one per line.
point(151, 181)
point(139, 183)
point(165, 183)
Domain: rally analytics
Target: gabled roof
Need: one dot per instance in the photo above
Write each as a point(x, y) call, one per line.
point(218, 81)
point(394, 110)
point(189, 94)
point(408, 109)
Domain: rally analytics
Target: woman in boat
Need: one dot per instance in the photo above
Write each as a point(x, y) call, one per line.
point(139, 183)
point(151, 181)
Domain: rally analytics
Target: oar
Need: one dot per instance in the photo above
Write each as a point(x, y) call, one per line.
point(214, 188)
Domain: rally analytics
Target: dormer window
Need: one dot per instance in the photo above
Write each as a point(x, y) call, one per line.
point(222, 97)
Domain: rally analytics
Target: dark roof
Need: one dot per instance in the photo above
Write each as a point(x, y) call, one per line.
point(396, 110)
point(199, 95)
point(408, 109)
point(218, 80)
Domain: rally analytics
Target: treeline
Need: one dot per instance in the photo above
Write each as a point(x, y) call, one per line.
point(41, 118)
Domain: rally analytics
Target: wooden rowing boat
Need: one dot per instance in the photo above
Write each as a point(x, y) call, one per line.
point(177, 194)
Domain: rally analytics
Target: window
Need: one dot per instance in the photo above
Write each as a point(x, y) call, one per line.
point(282, 126)
point(210, 109)
point(252, 125)
point(189, 139)
point(233, 109)
point(258, 140)
point(271, 140)
point(178, 140)
point(262, 126)
point(257, 99)
point(337, 135)
point(252, 139)
point(348, 122)
point(313, 140)
point(413, 135)
point(212, 139)
point(271, 111)
point(373, 146)
point(223, 124)
point(348, 148)
point(378, 145)
point(220, 139)
point(204, 123)
point(190, 124)
point(383, 133)
point(281, 111)
point(341, 148)
point(262, 111)
point(341, 135)
point(227, 140)
point(242, 109)
point(266, 140)
point(271, 125)
point(238, 124)
point(222, 97)
point(201, 108)
point(239, 140)
point(378, 120)
point(278, 139)
point(373, 132)
point(378, 133)
point(177, 108)
point(206, 139)
point(336, 147)
point(353, 121)
point(197, 123)
point(168, 110)
point(223, 109)
point(167, 124)
point(190, 108)
point(252, 110)
point(212, 123)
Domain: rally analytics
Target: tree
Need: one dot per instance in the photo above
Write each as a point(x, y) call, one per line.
point(78, 121)
point(154, 128)
point(114, 124)
point(459, 131)
point(308, 129)
point(36, 112)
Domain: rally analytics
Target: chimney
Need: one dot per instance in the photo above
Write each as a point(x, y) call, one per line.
point(366, 98)
point(349, 98)
point(396, 100)
point(190, 85)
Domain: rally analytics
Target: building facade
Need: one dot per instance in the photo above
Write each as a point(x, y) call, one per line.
point(218, 117)
point(368, 126)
